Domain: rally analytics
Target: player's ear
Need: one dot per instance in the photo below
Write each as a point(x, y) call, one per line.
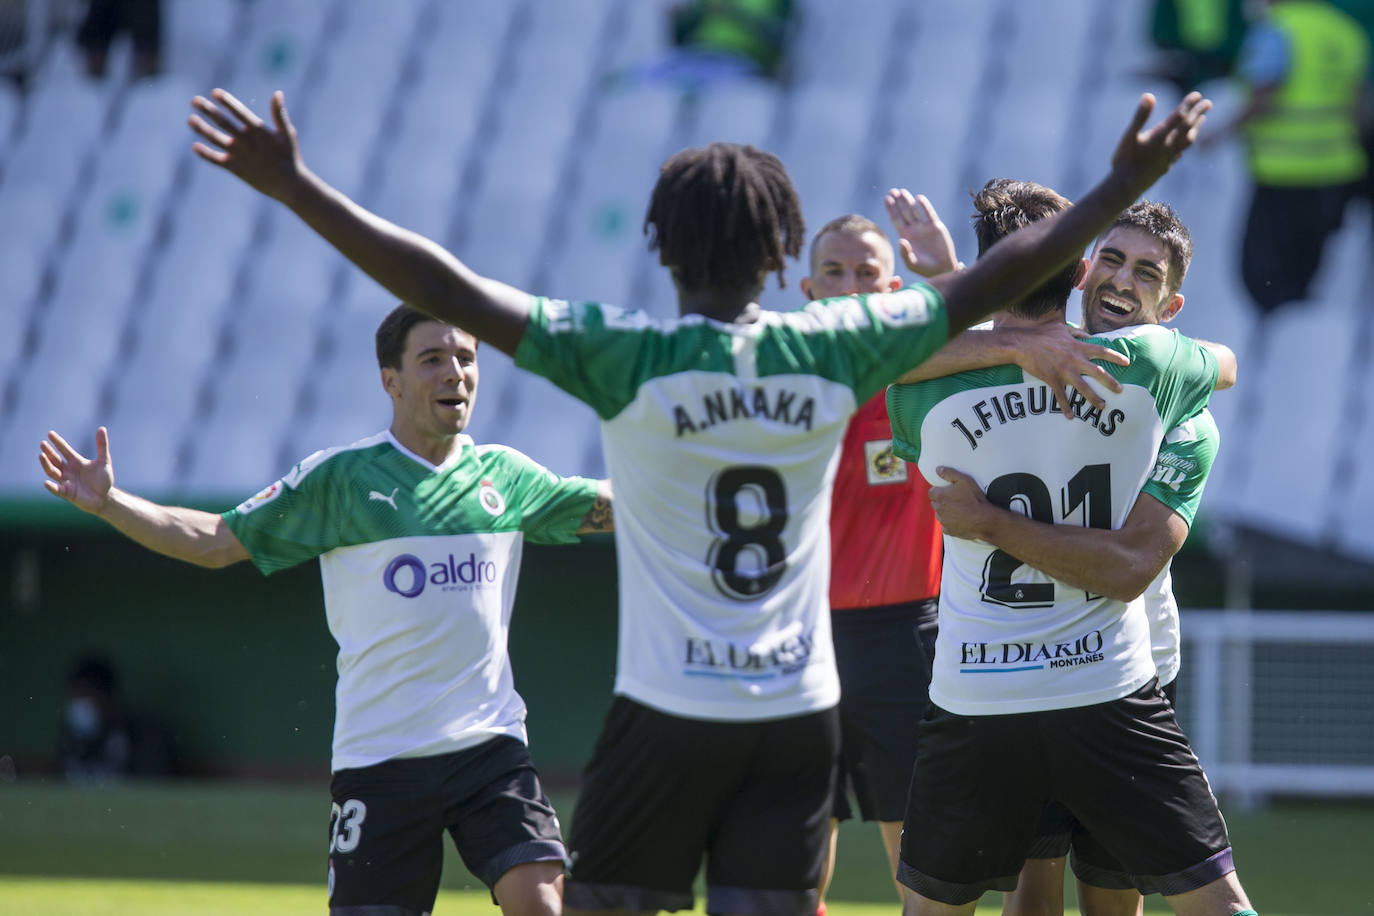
point(1172, 308)
point(806, 288)
point(1081, 274)
point(894, 284)
point(391, 382)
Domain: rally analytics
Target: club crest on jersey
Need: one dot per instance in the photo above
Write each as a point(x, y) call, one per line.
point(902, 308)
point(881, 465)
point(260, 498)
point(491, 498)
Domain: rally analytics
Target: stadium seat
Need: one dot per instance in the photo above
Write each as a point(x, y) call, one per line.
point(741, 111)
point(198, 37)
point(74, 111)
point(11, 104)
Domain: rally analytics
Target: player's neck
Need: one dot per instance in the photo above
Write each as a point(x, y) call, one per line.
point(1010, 319)
point(434, 449)
point(728, 304)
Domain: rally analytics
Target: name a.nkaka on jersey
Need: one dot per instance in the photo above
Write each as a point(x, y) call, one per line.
point(756, 403)
point(1036, 401)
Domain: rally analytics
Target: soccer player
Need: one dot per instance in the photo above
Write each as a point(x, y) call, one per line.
point(419, 534)
point(1133, 277)
point(720, 430)
point(1042, 690)
point(884, 538)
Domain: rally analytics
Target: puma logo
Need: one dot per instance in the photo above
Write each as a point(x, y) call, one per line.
point(382, 498)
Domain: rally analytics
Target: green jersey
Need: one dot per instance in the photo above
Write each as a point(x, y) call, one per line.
point(721, 441)
point(1179, 476)
point(1011, 638)
point(419, 565)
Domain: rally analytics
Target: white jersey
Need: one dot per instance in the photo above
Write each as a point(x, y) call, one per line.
point(722, 442)
point(419, 565)
point(1011, 638)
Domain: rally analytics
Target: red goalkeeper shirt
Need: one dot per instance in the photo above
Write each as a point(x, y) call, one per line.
point(884, 538)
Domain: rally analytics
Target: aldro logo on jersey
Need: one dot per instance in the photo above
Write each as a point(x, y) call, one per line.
point(408, 575)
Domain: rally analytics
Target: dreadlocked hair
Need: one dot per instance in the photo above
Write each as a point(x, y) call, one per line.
point(1004, 206)
point(723, 214)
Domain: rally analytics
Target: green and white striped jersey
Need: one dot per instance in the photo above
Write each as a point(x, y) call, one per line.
point(1011, 638)
point(419, 565)
point(721, 441)
point(1179, 476)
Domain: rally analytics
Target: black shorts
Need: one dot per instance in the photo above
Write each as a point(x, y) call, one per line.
point(386, 826)
point(662, 791)
point(1123, 769)
point(1060, 834)
point(884, 656)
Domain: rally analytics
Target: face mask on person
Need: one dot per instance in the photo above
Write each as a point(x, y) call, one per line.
point(83, 716)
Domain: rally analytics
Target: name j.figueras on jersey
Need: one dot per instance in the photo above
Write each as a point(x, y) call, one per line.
point(1004, 657)
point(1034, 400)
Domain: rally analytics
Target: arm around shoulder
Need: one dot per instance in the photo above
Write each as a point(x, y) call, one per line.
point(599, 518)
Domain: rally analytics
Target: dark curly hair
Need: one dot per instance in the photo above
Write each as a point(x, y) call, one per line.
point(722, 215)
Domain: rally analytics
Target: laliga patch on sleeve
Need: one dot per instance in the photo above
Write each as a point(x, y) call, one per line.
point(881, 464)
point(900, 309)
point(260, 498)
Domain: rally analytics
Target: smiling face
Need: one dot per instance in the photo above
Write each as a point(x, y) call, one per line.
point(433, 391)
point(844, 263)
point(1127, 282)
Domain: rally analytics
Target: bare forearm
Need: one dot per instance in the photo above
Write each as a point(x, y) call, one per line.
point(184, 534)
point(1226, 364)
point(413, 268)
point(969, 350)
point(1097, 561)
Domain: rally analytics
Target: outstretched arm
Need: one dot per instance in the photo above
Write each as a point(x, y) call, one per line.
point(1119, 563)
point(413, 268)
point(175, 531)
point(1025, 259)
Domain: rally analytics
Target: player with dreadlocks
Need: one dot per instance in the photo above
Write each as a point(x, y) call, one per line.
point(720, 430)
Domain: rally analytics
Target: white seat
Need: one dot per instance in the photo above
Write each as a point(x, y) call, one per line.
point(736, 112)
point(838, 44)
point(73, 111)
point(11, 104)
point(279, 43)
point(198, 35)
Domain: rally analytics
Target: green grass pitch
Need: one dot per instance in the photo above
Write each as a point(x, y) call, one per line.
point(218, 848)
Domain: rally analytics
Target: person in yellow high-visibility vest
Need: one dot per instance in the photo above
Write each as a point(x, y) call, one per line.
point(1306, 67)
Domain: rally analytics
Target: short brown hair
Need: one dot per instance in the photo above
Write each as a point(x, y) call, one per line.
point(1004, 206)
point(393, 331)
point(851, 224)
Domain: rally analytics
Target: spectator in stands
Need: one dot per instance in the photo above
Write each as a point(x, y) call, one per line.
point(106, 20)
point(715, 40)
point(720, 427)
point(419, 533)
point(1200, 39)
point(1306, 66)
point(93, 744)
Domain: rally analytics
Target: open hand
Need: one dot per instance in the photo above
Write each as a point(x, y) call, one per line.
point(927, 247)
point(1058, 355)
point(240, 142)
point(1143, 156)
point(81, 481)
